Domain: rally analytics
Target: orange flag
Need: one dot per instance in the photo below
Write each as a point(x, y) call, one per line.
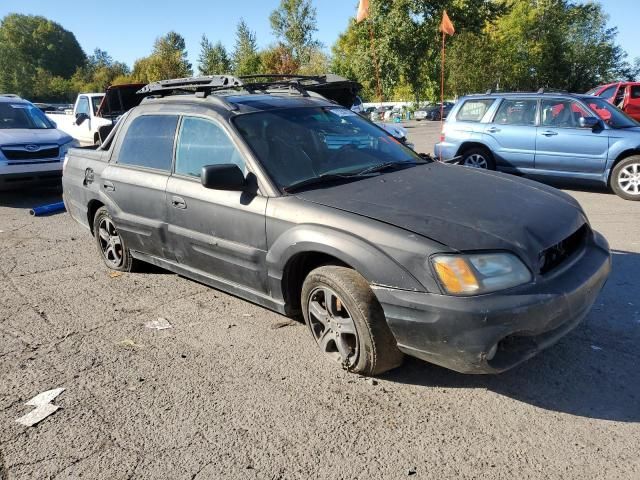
point(446, 26)
point(363, 11)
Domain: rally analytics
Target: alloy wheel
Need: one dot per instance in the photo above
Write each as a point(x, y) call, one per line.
point(332, 326)
point(476, 160)
point(110, 243)
point(629, 179)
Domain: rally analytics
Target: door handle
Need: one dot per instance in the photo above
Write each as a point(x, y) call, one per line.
point(549, 133)
point(108, 186)
point(493, 130)
point(88, 176)
point(178, 202)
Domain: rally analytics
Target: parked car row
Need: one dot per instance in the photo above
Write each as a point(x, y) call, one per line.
point(546, 134)
point(434, 111)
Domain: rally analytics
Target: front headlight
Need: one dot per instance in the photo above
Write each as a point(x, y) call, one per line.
point(479, 273)
point(65, 148)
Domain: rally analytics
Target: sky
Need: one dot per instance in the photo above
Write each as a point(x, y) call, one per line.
point(127, 29)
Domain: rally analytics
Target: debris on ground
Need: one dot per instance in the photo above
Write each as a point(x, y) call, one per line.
point(277, 325)
point(247, 315)
point(43, 409)
point(159, 324)
point(371, 381)
point(231, 325)
point(411, 471)
point(127, 342)
point(115, 274)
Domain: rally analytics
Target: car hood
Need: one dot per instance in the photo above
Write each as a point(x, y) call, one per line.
point(463, 208)
point(20, 136)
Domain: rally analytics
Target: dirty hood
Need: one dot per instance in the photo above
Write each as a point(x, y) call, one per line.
point(463, 208)
point(23, 136)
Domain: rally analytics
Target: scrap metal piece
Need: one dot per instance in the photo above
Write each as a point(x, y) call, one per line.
point(159, 324)
point(43, 409)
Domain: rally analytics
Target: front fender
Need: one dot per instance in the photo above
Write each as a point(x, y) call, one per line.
point(370, 261)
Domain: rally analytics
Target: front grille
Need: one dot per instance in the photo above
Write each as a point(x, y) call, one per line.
point(23, 154)
point(555, 255)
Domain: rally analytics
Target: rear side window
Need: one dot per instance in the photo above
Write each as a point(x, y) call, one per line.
point(148, 142)
point(635, 91)
point(202, 142)
point(517, 112)
point(473, 110)
point(608, 92)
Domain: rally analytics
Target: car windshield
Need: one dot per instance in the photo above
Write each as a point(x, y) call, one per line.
point(299, 144)
point(611, 115)
point(22, 115)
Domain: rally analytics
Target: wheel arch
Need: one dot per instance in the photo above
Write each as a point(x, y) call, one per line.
point(621, 156)
point(92, 208)
point(297, 251)
point(468, 145)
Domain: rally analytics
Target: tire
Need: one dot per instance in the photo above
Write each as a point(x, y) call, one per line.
point(478, 158)
point(625, 178)
point(112, 248)
point(353, 325)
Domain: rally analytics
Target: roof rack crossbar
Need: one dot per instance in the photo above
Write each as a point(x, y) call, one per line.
point(209, 82)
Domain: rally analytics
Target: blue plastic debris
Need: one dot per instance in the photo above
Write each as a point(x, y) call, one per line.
point(47, 209)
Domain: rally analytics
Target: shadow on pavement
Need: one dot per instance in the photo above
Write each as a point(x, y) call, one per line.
point(31, 196)
point(594, 372)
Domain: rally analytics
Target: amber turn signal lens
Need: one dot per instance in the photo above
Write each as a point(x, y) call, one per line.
point(456, 275)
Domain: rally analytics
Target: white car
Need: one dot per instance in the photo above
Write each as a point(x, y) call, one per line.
point(31, 148)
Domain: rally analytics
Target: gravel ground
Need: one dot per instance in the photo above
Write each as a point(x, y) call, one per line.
point(236, 391)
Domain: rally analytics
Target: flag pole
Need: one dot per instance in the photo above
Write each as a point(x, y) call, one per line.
point(442, 88)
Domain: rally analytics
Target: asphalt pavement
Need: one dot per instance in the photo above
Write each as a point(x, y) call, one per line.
point(234, 391)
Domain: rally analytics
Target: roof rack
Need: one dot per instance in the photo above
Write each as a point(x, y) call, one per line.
point(551, 90)
point(201, 86)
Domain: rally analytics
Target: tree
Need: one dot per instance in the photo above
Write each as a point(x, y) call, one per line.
point(246, 59)
point(98, 73)
point(278, 59)
point(213, 59)
point(403, 36)
point(168, 60)
point(32, 45)
point(293, 24)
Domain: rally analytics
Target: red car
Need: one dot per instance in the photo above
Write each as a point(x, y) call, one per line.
point(624, 95)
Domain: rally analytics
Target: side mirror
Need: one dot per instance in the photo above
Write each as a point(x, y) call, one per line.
point(223, 177)
point(588, 122)
point(81, 117)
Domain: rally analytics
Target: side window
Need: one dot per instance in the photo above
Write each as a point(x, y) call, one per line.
point(517, 112)
point(202, 142)
point(148, 142)
point(473, 110)
point(562, 113)
point(83, 106)
point(635, 91)
point(607, 93)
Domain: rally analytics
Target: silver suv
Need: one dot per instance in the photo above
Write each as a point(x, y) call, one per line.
point(546, 134)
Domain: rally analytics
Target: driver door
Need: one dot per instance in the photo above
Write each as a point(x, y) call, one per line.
point(561, 145)
point(216, 232)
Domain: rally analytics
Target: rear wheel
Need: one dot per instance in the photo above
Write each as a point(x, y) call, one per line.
point(114, 252)
point(625, 178)
point(478, 158)
point(347, 322)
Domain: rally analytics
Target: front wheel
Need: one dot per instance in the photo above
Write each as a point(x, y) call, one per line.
point(625, 178)
point(478, 158)
point(347, 322)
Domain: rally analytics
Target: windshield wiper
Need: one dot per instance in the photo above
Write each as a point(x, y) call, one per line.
point(325, 178)
point(384, 166)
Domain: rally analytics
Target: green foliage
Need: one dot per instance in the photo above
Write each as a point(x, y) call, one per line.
point(245, 58)
point(213, 59)
point(98, 73)
point(33, 48)
point(293, 24)
point(403, 37)
point(539, 43)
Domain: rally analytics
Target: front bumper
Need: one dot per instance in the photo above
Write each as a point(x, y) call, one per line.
point(25, 173)
point(495, 332)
